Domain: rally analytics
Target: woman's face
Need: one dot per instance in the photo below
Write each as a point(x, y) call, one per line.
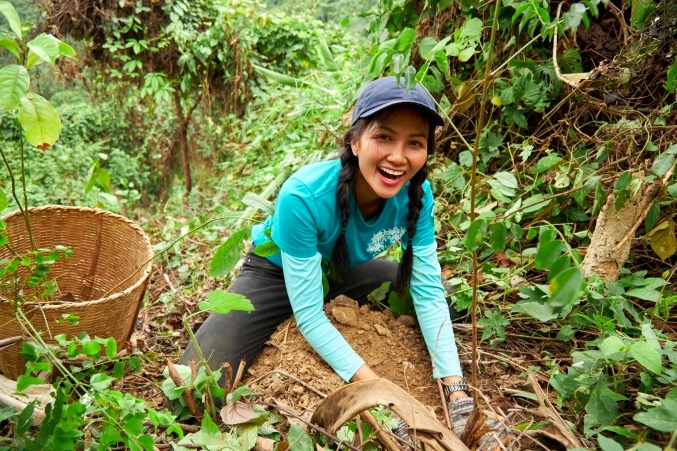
point(390, 152)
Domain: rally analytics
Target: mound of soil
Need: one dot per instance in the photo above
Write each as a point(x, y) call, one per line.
point(290, 371)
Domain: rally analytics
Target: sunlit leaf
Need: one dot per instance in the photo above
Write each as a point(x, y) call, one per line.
point(662, 164)
point(101, 381)
point(548, 252)
point(46, 47)
point(7, 10)
point(14, 82)
point(39, 120)
point(220, 301)
point(227, 255)
point(607, 444)
point(255, 201)
point(298, 439)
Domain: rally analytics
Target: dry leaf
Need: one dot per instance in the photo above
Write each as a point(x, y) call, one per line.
point(662, 239)
point(238, 413)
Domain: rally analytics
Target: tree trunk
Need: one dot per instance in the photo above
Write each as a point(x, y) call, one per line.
point(181, 138)
point(611, 240)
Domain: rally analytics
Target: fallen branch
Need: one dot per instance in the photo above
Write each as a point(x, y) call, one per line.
point(187, 394)
point(10, 398)
point(322, 431)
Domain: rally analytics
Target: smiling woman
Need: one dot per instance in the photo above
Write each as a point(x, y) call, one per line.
point(332, 219)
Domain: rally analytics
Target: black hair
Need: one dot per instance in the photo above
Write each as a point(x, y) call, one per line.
point(346, 186)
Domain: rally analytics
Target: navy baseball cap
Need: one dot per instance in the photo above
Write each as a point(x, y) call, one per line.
point(385, 92)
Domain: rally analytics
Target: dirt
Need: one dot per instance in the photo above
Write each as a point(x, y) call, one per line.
point(290, 371)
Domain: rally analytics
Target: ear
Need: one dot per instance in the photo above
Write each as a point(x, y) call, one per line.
point(354, 146)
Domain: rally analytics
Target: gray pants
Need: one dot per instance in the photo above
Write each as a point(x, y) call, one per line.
point(237, 335)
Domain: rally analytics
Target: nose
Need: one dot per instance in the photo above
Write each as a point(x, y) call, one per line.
point(397, 154)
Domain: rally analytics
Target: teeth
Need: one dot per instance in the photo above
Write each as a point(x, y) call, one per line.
point(391, 172)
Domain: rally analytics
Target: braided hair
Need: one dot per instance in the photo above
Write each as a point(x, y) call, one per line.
point(346, 186)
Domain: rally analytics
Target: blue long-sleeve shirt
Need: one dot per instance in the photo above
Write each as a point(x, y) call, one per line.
point(306, 225)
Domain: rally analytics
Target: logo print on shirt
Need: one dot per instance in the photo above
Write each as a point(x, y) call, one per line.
point(383, 239)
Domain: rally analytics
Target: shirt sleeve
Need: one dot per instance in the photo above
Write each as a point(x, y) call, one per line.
point(303, 277)
point(433, 312)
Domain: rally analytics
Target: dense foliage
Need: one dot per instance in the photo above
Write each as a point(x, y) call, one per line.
point(555, 123)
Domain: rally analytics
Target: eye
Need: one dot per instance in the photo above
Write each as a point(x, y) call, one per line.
point(417, 144)
point(382, 137)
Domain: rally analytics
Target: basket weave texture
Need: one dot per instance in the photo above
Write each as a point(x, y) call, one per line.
point(102, 282)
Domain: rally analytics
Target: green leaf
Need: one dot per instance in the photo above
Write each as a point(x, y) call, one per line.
point(538, 310)
point(3, 202)
point(277, 77)
point(535, 203)
point(607, 444)
point(39, 120)
point(663, 418)
point(111, 348)
point(23, 382)
point(647, 356)
point(548, 253)
point(7, 10)
point(611, 345)
point(566, 287)
point(25, 420)
point(499, 236)
point(223, 302)
point(671, 81)
point(100, 381)
point(662, 164)
point(405, 40)
point(645, 293)
point(545, 163)
point(66, 50)
point(228, 254)
point(298, 439)
point(7, 412)
point(14, 82)
point(325, 56)
point(259, 203)
point(266, 249)
point(46, 47)
point(475, 235)
point(91, 349)
point(10, 45)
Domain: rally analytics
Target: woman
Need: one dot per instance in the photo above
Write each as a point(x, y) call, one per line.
point(345, 213)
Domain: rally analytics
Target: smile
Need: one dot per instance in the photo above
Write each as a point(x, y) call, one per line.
point(390, 174)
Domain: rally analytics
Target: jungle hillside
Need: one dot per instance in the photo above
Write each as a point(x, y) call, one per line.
point(141, 140)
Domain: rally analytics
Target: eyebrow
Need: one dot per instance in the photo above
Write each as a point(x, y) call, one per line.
point(392, 130)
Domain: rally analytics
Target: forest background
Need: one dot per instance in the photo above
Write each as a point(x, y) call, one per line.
point(554, 175)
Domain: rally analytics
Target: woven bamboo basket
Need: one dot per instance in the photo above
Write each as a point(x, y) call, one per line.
point(102, 282)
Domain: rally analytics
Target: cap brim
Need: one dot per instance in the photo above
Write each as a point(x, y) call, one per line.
point(433, 115)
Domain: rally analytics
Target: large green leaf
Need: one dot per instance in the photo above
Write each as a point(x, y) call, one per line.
point(663, 418)
point(567, 287)
point(39, 120)
point(219, 301)
point(14, 82)
point(46, 47)
point(647, 356)
point(7, 10)
point(475, 235)
point(226, 256)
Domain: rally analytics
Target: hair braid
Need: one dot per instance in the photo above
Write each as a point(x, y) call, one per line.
point(415, 192)
point(340, 261)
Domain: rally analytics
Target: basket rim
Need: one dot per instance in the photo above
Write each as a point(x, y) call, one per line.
point(145, 273)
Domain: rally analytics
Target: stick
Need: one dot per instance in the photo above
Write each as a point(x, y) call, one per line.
point(383, 437)
point(289, 412)
point(444, 404)
point(187, 395)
